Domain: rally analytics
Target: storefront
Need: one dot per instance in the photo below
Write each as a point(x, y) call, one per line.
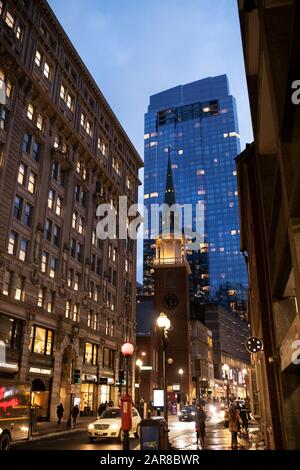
point(88, 394)
point(41, 391)
point(107, 389)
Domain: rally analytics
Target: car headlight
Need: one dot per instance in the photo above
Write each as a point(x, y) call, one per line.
point(91, 427)
point(193, 413)
point(114, 426)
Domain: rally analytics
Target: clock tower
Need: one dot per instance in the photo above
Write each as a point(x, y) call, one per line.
point(171, 294)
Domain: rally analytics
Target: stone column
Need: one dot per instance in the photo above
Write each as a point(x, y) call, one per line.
point(116, 389)
point(24, 360)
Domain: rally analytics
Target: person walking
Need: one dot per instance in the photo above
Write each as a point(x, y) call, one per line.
point(234, 421)
point(59, 412)
point(200, 424)
point(245, 416)
point(101, 409)
point(75, 413)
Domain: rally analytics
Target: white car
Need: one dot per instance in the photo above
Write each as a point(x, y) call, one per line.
point(108, 425)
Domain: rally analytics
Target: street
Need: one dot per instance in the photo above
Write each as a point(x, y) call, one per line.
point(182, 437)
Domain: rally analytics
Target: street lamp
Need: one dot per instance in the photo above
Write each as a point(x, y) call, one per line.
point(139, 364)
point(225, 369)
point(163, 323)
point(127, 351)
point(180, 372)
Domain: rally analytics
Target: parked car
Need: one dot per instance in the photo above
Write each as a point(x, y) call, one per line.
point(187, 413)
point(108, 425)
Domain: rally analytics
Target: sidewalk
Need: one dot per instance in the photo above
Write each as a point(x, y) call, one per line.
point(51, 428)
point(183, 437)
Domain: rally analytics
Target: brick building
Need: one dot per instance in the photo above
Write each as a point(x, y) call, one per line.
point(67, 300)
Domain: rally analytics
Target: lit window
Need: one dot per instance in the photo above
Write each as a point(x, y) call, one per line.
point(225, 135)
point(19, 33)
point(128, 183)
point(51, 199)
point(44, 262)
point(62, 92)
point(23, 249)
point(94, 237)
point(154, 194)
point(80, 225)
point(82, 120)
point(126, 265)
point(221, 249)
point(74, 220)
point(50, 304)
point(174, 166)
point(20, 294)
point(236, 193)
point(116, 166)
point(41, 341)
point(58, 207)
point(9, 20)
point(89, 128)
point(201, 192)
point(231, 204)
point(70, 102)
point(76, 281)
point(8, 88)
point(146, 136)
point(234, 134)
point(22, 174)
point(180, 152)
point(206, 109)
point(68, 309)
point(12, 243)
point(31, 182)
point(30, 111)
point(200, 172)
point(41, 293)
point(146, 196)
point(215, 160)
point(76, 313)
point(234, 172)
point(233, 232)
point(1, 7)
point(47, 70)
point(38, 58)
point(39, 122)
point(153, 144)
point(53, 267)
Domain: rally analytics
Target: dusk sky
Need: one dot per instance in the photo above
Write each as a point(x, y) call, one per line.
point(136, 48)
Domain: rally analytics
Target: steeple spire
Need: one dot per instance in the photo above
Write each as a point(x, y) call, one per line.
point(169, 191)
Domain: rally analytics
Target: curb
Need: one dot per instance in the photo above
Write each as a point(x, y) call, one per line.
point(46, 436)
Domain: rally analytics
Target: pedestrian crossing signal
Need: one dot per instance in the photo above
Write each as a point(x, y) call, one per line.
point(76, 376)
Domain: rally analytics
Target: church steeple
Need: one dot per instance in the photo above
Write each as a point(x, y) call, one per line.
point(169, 191)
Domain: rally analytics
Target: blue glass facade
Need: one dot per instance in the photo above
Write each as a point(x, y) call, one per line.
point(199, 121)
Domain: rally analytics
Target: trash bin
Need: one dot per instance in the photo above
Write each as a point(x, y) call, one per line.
point(154, 434)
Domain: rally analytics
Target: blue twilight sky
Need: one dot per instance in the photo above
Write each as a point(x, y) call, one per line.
point(135, 48)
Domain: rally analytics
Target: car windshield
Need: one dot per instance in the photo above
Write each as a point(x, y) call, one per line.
point(110, 414)
point(189, 409)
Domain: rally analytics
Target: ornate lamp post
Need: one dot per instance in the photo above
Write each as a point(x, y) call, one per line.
point(164, 324)
point(180, 372)
point(127, 351)
point(139, 364)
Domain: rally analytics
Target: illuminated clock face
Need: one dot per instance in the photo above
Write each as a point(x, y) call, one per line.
point(170, 301)
point(254, 344)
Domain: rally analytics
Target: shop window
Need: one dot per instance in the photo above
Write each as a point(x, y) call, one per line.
point(90, 354)
point(41, 341)
point(11, 331)
point(108, 358)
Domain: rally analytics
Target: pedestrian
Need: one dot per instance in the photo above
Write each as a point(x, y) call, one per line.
point(200, 424)
point(245, 416)
point(101, 409)
point(59, 412)
point(234, 421)
point(75, 413)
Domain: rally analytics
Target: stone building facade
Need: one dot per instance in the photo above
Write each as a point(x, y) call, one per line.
point(67, 298)
point(269, 178)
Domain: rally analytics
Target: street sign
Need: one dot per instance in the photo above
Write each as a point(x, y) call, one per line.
point(254, 344)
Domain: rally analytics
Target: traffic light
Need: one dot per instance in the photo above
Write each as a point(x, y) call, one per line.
point(121, 377)
point(76, 376)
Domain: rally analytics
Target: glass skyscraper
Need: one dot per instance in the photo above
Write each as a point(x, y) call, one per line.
point(199, 123)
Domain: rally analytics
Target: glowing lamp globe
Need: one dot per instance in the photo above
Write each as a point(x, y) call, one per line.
point(127, 349)
point(163, 321)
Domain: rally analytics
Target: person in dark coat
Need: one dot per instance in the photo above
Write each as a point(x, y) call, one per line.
point(200, 424)
point(59, 412)
point(101, 408)
point(245, 416)
point(75, 413)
